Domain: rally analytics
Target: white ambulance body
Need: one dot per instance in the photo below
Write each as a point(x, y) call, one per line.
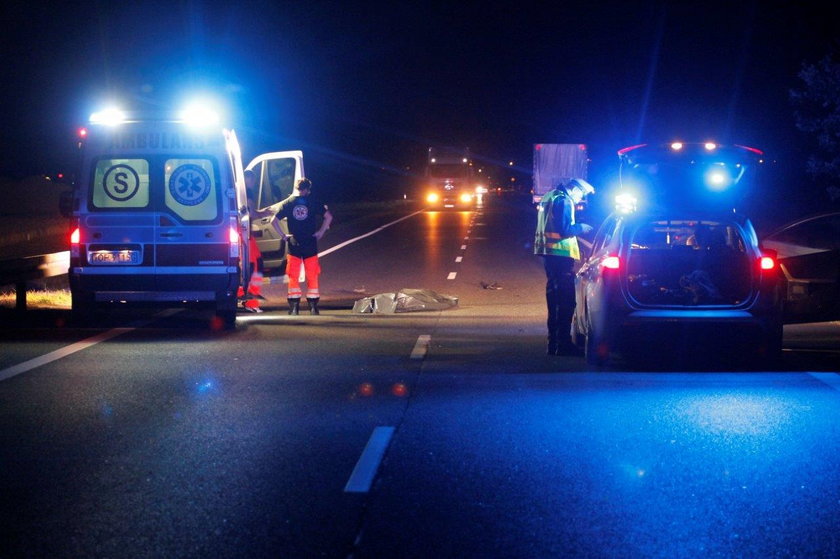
point(160, 216)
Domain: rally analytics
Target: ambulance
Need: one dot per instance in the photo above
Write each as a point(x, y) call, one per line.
point(159, 212)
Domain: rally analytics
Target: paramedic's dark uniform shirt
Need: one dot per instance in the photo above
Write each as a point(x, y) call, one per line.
point(301, 213)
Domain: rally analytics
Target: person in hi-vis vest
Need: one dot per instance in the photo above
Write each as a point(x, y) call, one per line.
point(556, 242)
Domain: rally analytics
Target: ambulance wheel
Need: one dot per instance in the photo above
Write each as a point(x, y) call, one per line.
point(228, 318)
point(81, 308)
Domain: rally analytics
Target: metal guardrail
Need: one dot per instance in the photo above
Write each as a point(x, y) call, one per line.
point(19, 271)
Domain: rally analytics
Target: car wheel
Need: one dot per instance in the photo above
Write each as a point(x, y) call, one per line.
point(594, 349)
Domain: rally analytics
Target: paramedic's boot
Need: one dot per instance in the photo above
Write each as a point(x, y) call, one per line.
point(313, 305)
point(294, 306)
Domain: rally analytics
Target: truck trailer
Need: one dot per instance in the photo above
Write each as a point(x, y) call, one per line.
point(557, 164)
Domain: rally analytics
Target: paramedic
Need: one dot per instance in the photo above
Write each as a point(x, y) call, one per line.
point(301, 211)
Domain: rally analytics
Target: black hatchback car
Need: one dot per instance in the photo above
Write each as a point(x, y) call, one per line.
point(675, 283)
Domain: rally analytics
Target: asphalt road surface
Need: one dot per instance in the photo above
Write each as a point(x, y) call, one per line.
point(423, 434)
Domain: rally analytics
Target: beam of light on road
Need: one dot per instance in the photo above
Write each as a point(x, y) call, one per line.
point(737, 414)
point(368, 234)
point(362, 477)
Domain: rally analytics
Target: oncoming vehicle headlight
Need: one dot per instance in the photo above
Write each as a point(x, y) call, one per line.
point(432, 197)
point(466, 197)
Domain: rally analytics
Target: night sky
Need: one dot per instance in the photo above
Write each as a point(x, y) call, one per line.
point(363, 88)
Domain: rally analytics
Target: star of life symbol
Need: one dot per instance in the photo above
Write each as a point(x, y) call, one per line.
point(189, 185)
point(300, 212)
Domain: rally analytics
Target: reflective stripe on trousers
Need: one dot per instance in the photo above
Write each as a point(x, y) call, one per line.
point(312, 269)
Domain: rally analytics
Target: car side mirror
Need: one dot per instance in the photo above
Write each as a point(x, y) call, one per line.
point(66, 203)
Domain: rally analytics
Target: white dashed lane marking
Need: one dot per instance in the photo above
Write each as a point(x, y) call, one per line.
point(365, 470)
point(421, 347)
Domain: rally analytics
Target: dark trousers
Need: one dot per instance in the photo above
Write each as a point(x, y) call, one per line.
point(560, 298)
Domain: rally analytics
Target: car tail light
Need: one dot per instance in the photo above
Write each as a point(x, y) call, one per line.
point(611, 262)
point(767, 263)
point(74, 236)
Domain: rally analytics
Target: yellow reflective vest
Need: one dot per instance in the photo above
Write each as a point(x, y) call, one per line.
point(556, 228)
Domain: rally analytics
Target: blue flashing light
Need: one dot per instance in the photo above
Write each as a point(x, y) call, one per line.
point(718, 178)
point(625, 203)
point(200, 115)
point(111, 116)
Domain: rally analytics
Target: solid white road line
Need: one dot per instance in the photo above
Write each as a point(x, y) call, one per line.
point(421, 347)
point(78, 346)
point(451, 275)
point(59, 353)
point(368, 234)
point(365, 470)
point(831, 379)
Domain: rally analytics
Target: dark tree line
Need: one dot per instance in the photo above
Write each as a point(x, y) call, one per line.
point(817, 112)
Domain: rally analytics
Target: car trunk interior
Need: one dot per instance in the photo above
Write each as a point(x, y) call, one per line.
point(687, 263)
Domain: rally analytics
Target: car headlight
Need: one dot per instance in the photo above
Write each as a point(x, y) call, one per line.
point(432, 197)
point(466, 197)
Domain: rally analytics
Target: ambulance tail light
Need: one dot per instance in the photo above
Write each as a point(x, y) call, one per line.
point(233, 239)
point(75, 239)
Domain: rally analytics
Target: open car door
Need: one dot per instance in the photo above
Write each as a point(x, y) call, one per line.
point(808, 251)
point(277, 173)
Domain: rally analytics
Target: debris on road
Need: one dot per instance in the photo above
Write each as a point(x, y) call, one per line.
point(405, 300)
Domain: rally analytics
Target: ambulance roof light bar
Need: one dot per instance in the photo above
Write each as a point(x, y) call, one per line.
point(111, 116)
point(200, 115)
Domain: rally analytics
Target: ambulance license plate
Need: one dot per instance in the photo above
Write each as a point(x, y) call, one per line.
point(114, 257)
